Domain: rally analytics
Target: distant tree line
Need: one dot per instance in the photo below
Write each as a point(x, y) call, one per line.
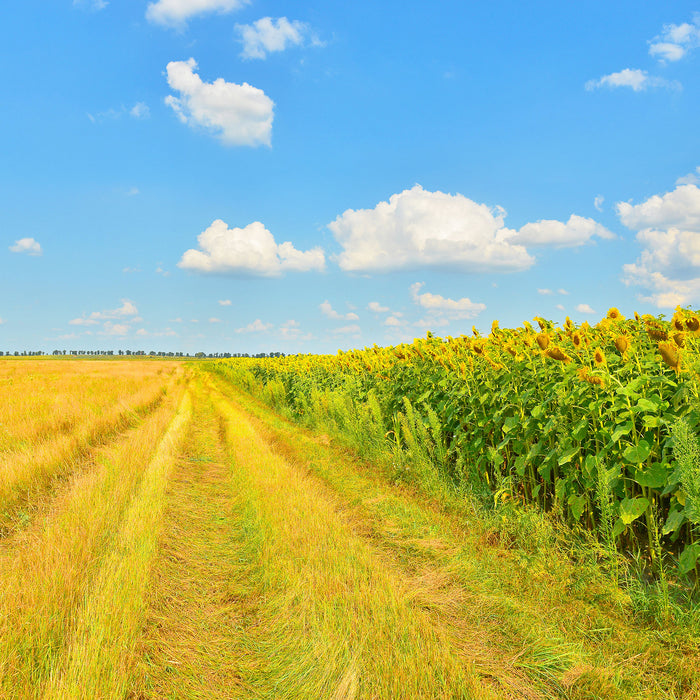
point(134, 353)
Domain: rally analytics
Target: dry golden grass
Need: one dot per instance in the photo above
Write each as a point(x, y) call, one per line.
point(48, 568)
point(54, 412)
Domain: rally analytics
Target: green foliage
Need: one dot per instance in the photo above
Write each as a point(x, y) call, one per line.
point(530, 417)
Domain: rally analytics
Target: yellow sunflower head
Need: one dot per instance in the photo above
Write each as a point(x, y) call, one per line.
point(599, 357)
point(577, 340)
point(622, 344)
point(670, 355)
point(692, 324)
point(542, 340)
point(615, 315)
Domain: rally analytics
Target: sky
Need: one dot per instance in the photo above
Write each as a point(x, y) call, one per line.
point(271, 176)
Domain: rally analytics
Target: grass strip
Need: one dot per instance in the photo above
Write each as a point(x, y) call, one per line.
point(97, 660)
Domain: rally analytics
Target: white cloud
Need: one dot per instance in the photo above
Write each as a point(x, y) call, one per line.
point(545, 292)
point(109, 328)
point(330, 312)
point(638, 80)
point(124, 311)
point(690, 178)
point(2, 320)
point(377, 308)
point(140, 111)
point(560, 307)
point(679, 208)
point(175, 13)
point(290, 330)
point(453, 308)
point(353, 329)
point(26, 245)
point(239, 115)
point(668, 228)
point(562, 291)
point(256, 326)
point(224, 302)
point(250, 250)
point(213, 319)
point(548, 232)
point(394, 321)
point(267, 35)
point(676, 40)
point(91, 4)
point(584, 309)
point(417, 228)
point(598, 202)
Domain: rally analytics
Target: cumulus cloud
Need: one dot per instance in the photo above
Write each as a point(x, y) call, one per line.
point(452, 308)
point(239, 115)
point(251, 250)
point(668, 228)
point(394, 321)
point(330, 312)
point(690, 179)
point(377, 308)
point(676, 40)
point(213, 319)
point(418, 228)
point(584, 309)
point(268, 35)
point(548, 232)
point(175, 13)
point(598, 202)
point(256, 326)
point(26, 245)
point(110, 328)
point(634, 78)
point(224, 302)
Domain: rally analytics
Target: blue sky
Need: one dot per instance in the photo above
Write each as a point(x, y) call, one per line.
point(233, 176)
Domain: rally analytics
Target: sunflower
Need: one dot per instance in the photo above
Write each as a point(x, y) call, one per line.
point(599, 357)
point(494, 327)
point(542, 340)
point(615, 315)
point(557, 354)
point(679, 339)
point(657, 334)
point(622, 344)
point(577, 340)
point(670, 355)
point(692, 324)
point(678, 323)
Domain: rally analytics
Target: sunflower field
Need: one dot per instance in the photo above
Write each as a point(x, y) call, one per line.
point(596, 424)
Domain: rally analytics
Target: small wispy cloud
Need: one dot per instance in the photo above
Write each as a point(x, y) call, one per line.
point(633, 78)
point(676, 40)
point(330, 312)
point(268, 35)
point(26, 245)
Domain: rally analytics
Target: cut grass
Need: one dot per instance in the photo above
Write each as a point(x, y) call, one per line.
point(96, 660)
point(48, 568)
